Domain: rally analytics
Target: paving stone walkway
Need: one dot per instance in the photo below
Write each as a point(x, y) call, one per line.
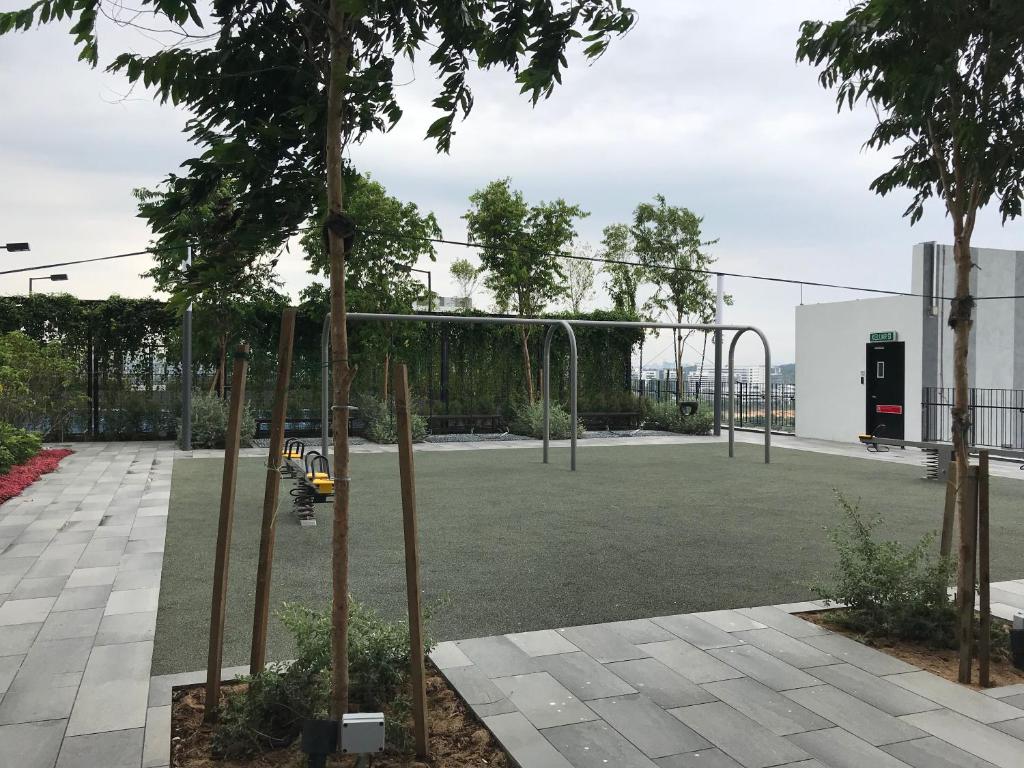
point(749, 688)
point(81, 553)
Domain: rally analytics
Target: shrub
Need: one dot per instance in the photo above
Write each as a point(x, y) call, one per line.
point(892, 590)
point(269, 710)
point(528, 419)
point(382, 422)
point(20, 476)
point(666, 416)
point(39, 384)
point(16, 446)
point(210, 421)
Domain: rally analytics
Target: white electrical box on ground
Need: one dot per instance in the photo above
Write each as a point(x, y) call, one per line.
point(361, 733)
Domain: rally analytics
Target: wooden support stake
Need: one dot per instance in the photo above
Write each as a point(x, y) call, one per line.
point(949, 512)
point(272, 489)
point(412, 560)
point(227, 513)
point(966, 572)
point(985, 609)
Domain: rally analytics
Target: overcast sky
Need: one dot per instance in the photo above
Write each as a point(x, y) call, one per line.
point(701, 102)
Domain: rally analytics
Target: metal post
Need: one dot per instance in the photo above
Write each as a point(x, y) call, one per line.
point(186, 368)
point(719, 319)
point(767, 382)
point(546, 390)
point(325, 383)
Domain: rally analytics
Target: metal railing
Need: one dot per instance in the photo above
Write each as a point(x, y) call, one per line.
point(996, 416)
point(748, 400)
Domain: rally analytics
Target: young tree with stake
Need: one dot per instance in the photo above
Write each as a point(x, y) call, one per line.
point(286, 84)
point(946, 80)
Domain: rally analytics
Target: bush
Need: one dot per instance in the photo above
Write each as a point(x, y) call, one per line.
point(17, 446)
point(210, 422)
point(666, 416)
point(269, 710)
point(892, 591)
point(528, 419)
point(382, 422)
point(39, 386)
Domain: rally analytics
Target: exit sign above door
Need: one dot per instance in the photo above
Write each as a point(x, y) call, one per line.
point(882, 336)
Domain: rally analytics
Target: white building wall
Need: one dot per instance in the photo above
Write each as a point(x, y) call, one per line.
point(831, 344)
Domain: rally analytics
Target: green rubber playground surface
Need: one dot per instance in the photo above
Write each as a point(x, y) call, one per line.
point(510, 544)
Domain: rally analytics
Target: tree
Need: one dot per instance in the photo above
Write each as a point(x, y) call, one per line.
point(521, 247)
point(579, 278)
point(667, 241)
point(286, 85)
point(226, 290)
point(624, 279)
point(946, 81)
point(467, 277)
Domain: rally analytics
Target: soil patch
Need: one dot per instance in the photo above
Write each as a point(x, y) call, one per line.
point(457, 739)
point(944, 662)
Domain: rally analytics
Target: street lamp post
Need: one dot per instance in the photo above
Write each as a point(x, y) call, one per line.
point(12, 247)
point(56, 278)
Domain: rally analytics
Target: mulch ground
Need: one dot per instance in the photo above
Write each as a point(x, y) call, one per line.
point(457, 739)
point(21, 476)
point(944, 662)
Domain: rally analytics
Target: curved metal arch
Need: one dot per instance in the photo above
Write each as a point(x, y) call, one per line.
point(458, 320)
point(546, 389)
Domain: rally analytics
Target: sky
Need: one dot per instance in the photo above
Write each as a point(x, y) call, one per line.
point(702, 102)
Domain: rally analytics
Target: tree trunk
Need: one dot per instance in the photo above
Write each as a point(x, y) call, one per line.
point(341, 48)
point(527, 367)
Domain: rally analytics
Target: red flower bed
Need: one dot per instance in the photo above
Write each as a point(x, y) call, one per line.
point(23, 475)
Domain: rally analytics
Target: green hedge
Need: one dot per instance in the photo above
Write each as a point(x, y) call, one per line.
point(16, 446)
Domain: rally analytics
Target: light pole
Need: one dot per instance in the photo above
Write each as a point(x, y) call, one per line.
point(56, 278)
point(12, 247)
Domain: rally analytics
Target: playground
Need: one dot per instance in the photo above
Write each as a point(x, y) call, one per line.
point(511, 544)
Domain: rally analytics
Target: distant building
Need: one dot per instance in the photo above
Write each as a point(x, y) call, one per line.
point(443, 304)
point(885, 366)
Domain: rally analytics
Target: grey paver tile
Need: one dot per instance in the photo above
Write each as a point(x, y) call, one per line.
point(596, 745)
point(730, 621)
point(63, 551)
point(53, 566)
point(473, 685)
point(660, 684)
point(126, 628)
point(649, 727)
point(786, 648)
point(602, 643)
point(858, 654)
point(57, 656)
point(703, 758)
point(157, 746)
point(497, 656)
point(1012, 727)
point(738, 736)
point(543, 700)
point(114, 691)
point(502, 707)
point(136, 580)
point(132, 601)
point(1005, 690)
point(764, 667)
point(33, 698)
point(956, 697)
point(838, 749)
point(68, 624)
point(143, 546)
point(931, 752)
point(31, 745)
point(101, 558)
point(584, 677)
point(638, 631)
point(447, 655)
point(1017, 700)
point(80, 598)
point(9, 666)
point(25, 549)
point(771, 709)
point(543, 642)
point(148, 562)
point(18, 566)
point(978, 739)
point(876, 691)
point(113, 749)
point(862, 720)
point(160, 686)
point(692, 663)
point(697, 632)
point(524, 742)
point(48, 586)
point(29, 611)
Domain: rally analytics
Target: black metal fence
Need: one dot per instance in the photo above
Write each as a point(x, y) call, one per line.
point(748, 400)
point(996, 416)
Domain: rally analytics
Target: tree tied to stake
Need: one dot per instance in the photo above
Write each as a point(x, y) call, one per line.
point(285, 84)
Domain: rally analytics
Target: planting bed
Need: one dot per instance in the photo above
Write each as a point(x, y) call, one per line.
point(21, 476)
